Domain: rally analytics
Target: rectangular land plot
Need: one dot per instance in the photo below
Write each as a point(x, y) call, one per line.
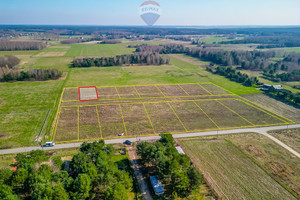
point(127, 92)
point(67, 127)
point(136, 120)
point(107, 93)
point(163, 118)
point(194, 89)
point(250, 113)
point(110, 120)
point(172, 90)
point(192, 116)
point(70, 94)
point(221, 115)
point(214, 89)
point(88, 123)
point(148, 91)
point(88, 94)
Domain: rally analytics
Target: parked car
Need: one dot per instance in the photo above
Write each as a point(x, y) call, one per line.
point(127, 142)
point(49, 144)
point(121, 134)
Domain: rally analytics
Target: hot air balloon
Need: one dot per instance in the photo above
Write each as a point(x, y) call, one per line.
point(150, 12)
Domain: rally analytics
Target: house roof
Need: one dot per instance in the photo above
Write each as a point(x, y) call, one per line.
point(157, 186)
point(179, 149)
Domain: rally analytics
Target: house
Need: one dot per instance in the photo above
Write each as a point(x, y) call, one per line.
point(157, 186)
point(268, 87)
point(277, 87)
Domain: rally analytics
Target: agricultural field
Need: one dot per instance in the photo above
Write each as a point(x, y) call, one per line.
point(88, 113)
point(245, 166)
point(290, 137)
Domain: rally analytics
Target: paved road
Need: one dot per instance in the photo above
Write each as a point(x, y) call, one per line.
point(144, 188)
point(184, 135)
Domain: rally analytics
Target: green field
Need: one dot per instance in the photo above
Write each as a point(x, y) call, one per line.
point(230, 172)
point(97, 50)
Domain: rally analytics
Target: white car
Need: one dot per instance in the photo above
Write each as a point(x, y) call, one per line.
point(49, 144)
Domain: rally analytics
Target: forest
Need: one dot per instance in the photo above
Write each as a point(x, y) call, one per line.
point(140, 59)
point(268, 41)
point(235, 75)
point(6, 45)
point(92, 174)
point(173, 169)
point(31, 75)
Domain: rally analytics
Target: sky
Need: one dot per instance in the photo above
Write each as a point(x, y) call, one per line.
point(174, 12)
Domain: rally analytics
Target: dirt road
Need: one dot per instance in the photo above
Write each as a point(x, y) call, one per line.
point(138, 173)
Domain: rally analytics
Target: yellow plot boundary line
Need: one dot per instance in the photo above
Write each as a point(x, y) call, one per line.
point(144, 85)
point(262, 110)
point(256, 104)
point(160, 90)
point(183, 90)
point(57, 112)
point(137, 92)
point(55, 127)
point(117, 92)
point(178, 101)
point(149, 118)
point(78, 123)
point(235, 113)
point(164, 97)
point(244, 100)
point(193, 131)
point(177, 117)
point(99, 122)
point(205, 89)
point(207, 115)
point(123, 119)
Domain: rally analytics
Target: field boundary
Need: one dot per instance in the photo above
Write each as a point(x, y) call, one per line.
point(284, 120)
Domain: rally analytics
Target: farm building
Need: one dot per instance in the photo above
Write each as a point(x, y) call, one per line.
point(157, 186)
point(268, 87)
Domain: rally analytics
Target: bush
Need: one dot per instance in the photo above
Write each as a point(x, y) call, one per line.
point(57, 161)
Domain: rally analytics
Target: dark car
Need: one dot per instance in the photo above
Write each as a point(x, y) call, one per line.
point(127, 142)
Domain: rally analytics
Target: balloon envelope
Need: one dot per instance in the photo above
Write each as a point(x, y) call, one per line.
point(150, 12)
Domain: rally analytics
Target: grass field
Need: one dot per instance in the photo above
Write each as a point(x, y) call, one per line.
point(154, 109)
point(291, 137)
point(97, 50)
point(230, 172)
point(21, 129)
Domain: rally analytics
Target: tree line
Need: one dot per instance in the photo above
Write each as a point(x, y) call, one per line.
point(8, 61)
point(268, 41)
point(6, 45)
point(284, 95)
point(92, 174)
point(111, 42)
point(234, 75)
point(173, 169)
point(138, 59)
point(291, 76)
point(249, 60)
point(31, 75)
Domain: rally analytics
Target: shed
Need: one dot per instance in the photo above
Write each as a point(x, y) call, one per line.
point(277, 87)
point(180, 150)
point(157, 186)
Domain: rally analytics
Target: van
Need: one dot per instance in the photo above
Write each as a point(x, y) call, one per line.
point(49, 144)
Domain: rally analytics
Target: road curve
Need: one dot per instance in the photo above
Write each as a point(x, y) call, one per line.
point(262, 130)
